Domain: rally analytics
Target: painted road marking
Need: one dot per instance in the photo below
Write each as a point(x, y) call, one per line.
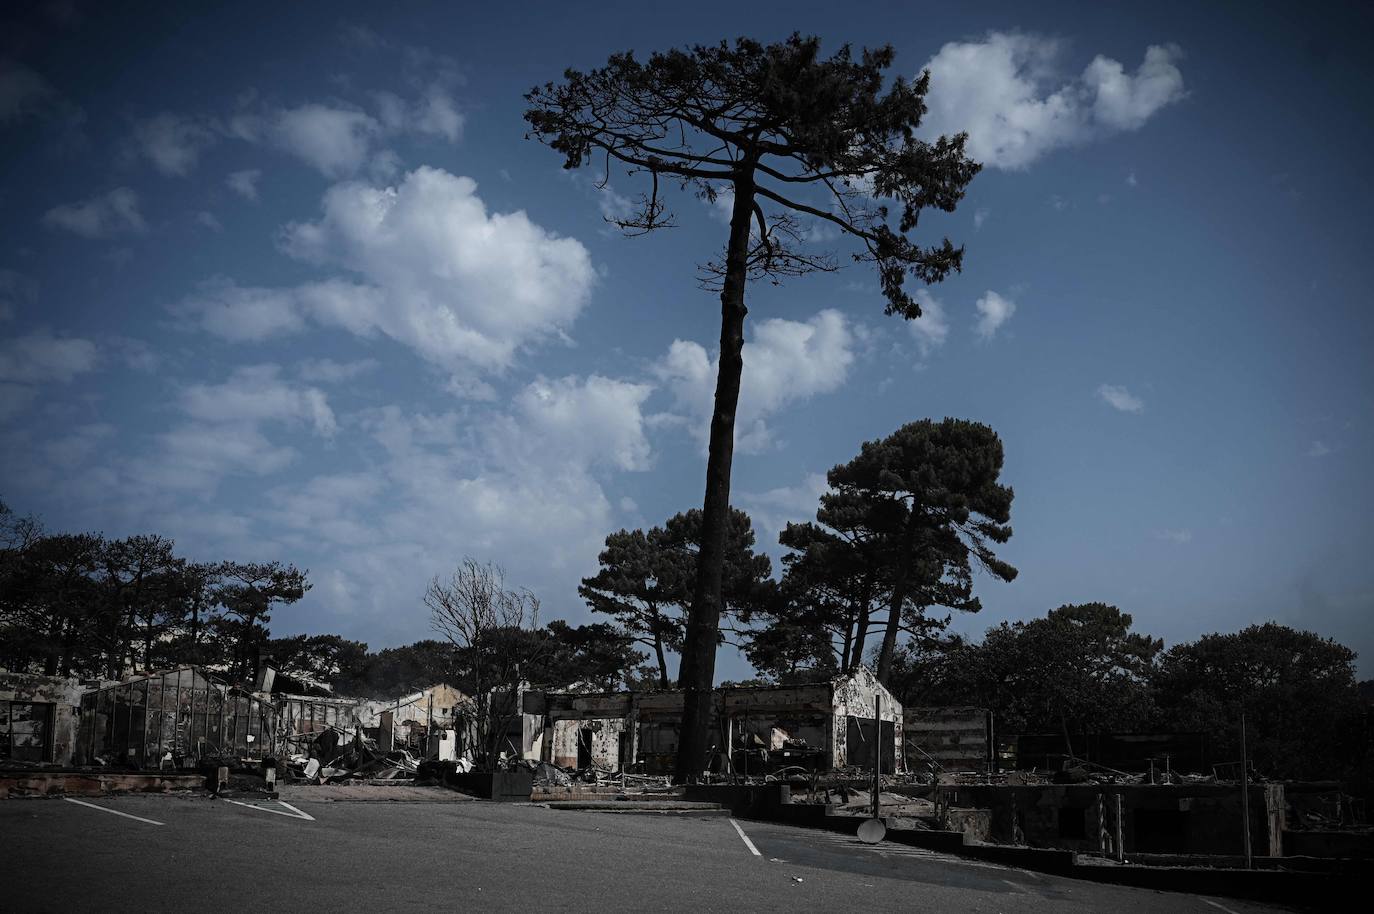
point(112, 811)
point(293, 814)
point(1220, 906)
point(747, 843)
point(1020, 888)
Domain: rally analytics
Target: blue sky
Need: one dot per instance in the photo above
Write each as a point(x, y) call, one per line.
point(289, 283)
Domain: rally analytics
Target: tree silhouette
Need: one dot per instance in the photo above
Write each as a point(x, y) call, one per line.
point(790, 137)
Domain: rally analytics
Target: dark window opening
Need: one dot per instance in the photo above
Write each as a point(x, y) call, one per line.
point(25, 728)
point(584, 748)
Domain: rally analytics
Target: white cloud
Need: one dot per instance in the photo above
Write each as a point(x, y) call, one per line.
point(1176, 536)
point(256, 393)
point(99, 217)
point(442, 275)
point(195, 456)
point(1131, 180)
point(334, 141)
point(774, 509)
point(1120, 398)
point(784, 362)
point(22, 91)
point(172, 143)
point(1319, 449)
point(596, 420)
point(993, 311)
point(244, 183)
point(39, 356)
point(242, 314)
point(1003, 92)
point(328, 371)
point(931, 329)
point(980, 216)
point(207, 219)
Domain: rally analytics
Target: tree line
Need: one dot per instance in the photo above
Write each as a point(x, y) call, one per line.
point(81, 604)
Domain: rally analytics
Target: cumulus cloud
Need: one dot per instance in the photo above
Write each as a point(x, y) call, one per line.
point(1120, 398)
point(931, 329)
point(784, 362)
point(101, 216)
point(22, 91)
point(993, 311)
point(1004, 93)
point(257, 393)
point(596, 420)
point(172, 143)
point(244, 183)
point(438, 272)
point(39, 356)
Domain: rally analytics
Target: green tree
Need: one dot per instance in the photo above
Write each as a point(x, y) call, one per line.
point(247, 593)
point(930, 499)
point(1297, 690)
point(645, 581)
point(599, 654)
point(787, 136)
point(1080, 669)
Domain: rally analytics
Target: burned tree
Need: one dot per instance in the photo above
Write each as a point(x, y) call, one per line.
point(792, 139)
point(494, 632)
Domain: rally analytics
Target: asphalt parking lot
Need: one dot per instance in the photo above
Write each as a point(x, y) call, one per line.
point(178, 853)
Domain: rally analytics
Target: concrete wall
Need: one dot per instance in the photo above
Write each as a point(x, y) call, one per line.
point(63, 700)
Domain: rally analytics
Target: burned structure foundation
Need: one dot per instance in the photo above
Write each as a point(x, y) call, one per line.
point(821, 726)
point(1118, 819)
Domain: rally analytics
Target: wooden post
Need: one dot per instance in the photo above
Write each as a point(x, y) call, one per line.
point(1120, 832)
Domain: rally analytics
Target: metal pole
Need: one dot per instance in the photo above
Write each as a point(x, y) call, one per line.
point(1245, 792)
point(877, 755)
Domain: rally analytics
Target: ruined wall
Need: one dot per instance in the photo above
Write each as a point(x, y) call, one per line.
point(594, 742)
point(956, 739)
point(44, 728)
point(852, 697)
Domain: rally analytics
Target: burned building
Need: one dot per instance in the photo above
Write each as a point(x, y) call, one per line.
point(175, 719)
point(821, 726)
point(38, 718)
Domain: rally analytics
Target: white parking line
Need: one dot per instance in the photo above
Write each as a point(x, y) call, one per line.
point(747, 843)
point(112, 811)
point(293, 814)
point(1217, 905)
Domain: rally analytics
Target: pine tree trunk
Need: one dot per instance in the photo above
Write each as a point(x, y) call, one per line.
point(698, 672)
point(894, 604)
point(861, 634)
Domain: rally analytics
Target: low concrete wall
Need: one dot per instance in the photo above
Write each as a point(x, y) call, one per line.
point(88, 783)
